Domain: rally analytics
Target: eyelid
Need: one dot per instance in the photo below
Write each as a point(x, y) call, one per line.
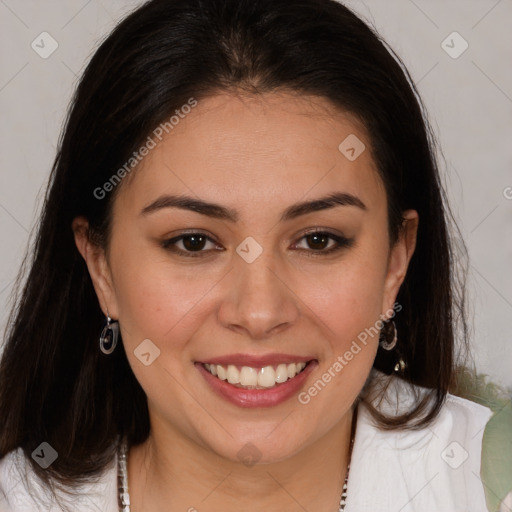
point(320, 229)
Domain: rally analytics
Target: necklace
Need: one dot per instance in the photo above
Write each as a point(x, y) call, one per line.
point(122, 473)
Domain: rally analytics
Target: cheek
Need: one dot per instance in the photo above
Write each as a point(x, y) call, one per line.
point(159, 304)
point(358, 304)
point(350, 307)
point(348, 300)
point(155, 300)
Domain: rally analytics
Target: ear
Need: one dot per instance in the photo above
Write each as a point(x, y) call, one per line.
point(98, 266)
point(399, 258)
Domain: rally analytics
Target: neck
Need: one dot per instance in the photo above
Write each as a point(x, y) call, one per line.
point(171, 472)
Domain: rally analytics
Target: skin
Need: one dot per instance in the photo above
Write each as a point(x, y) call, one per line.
point(258, 156)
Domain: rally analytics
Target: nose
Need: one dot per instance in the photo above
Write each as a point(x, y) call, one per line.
point(259, 302)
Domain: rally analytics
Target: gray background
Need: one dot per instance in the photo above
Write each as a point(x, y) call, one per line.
point(469, 100)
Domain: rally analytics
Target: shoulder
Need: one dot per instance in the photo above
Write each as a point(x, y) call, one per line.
point(436, 467)
point(22, 491)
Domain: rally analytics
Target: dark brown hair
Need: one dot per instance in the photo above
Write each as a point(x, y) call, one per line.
point(55, 384)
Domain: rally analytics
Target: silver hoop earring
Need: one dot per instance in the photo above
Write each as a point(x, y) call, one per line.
point(384, 341)
point(109, 336)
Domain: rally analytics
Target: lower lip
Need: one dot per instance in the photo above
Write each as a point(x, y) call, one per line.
point(257, 397)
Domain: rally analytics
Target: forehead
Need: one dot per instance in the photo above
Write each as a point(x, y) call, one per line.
point(275, 147)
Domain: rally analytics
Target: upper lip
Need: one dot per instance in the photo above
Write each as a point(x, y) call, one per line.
point(257, 361)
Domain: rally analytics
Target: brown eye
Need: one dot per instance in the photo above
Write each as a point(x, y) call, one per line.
point(192, 244)
point(317, 241)
point(323, 242)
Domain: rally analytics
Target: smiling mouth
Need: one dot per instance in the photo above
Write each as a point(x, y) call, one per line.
point(247, 377)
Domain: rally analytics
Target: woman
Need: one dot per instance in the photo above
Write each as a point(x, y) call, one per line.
point(242, 294)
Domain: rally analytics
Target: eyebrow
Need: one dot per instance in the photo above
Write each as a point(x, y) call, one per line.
point(217, 211)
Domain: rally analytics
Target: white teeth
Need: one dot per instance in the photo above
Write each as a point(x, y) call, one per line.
point(282, 373)
point(248, 376)
point(221, 372)
point(233, 374)
point(266, 377)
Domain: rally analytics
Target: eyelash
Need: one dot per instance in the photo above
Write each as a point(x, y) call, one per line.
point(341, 242)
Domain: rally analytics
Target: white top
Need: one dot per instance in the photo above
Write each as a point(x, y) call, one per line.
point(434, 469)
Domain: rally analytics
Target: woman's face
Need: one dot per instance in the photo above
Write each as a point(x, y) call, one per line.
point(248, 285)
